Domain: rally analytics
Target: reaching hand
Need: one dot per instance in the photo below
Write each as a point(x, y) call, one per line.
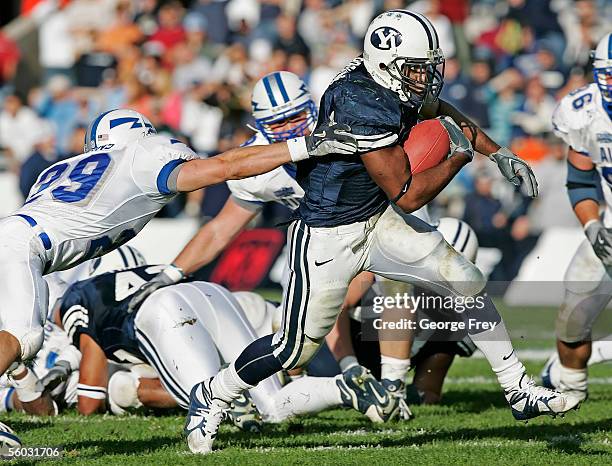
point(169, 276)
point(515, 170)
point(331, 139)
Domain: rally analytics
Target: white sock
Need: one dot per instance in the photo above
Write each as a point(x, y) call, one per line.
point(347, 362)
point(394, 368)
point(227, 385)
point(307, 395)
point(497, 348)
point(26, 386)
point(572, 379)
point(601, 350)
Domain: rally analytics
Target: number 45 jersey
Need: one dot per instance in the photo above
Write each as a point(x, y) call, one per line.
point(92, 203)
point(583, 124)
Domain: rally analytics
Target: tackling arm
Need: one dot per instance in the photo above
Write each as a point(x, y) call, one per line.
point(234, 164)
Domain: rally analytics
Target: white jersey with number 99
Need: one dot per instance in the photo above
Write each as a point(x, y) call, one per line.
point(92, 203)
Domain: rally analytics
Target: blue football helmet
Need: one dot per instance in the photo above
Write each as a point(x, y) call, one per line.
point(602, 71)
point(117, 127)
point(278, 97)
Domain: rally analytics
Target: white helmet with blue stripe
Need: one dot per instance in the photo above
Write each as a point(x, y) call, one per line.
point(459, 235)
point(278, 97)
point(117, 127)
point(602, 70)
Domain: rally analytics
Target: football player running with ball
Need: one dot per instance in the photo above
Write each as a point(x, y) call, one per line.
point(583, 119)
point(90, 204)
point(354, 216)
point(283, 109)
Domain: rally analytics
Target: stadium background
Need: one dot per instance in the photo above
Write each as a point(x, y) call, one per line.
point(189, 66)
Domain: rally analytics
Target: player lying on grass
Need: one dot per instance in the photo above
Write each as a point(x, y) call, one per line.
point(282, 108)
point(90, 204)
point(429, 353)
point(583, 119)
point(355, 216)
point(181, 331)
point(58, 360)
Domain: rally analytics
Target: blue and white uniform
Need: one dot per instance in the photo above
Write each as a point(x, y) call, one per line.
point(79, 208)
point(583, 123)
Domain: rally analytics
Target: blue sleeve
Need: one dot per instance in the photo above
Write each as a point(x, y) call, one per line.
point(166, 179)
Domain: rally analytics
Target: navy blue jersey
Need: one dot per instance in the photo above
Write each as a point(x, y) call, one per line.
point(98, 307)
point(338, 189)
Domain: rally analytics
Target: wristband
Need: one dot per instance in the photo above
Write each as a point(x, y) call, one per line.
point(297, 149)
point(174, 273)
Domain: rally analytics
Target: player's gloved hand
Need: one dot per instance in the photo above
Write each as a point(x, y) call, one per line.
point(515, 170)
point(459, 143)
point(169, 276)
point(600, 238)
point(54, 381)
point(327, 139)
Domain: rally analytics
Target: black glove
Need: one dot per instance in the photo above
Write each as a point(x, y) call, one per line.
point(169, 276)
point(600, 238)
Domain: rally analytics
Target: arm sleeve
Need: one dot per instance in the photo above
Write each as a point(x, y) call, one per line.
point(156, 164)
point(372, 123)
point(75, 314)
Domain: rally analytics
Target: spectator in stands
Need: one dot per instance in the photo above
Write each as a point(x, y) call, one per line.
point(44, 155)
point(170, 30)
point(59, 105)
point(288, 38)
point(216, 19)
point(121, 33)
point(18, 130)
point(534, 115)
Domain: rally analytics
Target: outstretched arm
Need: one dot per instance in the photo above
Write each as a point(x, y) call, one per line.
point(234, 164)
point(244, 162)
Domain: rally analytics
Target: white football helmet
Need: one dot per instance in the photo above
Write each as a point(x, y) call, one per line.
point(459, 235)
point(280, 96)
point(602, 70)
point(124, 257)
point(117, 127)
point(401, 51)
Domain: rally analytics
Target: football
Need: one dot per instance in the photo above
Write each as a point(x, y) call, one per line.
point(427, 145)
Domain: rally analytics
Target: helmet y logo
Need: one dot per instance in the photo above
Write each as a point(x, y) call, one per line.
point(385, 38)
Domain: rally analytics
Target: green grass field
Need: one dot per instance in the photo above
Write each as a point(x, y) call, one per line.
point(472, 426)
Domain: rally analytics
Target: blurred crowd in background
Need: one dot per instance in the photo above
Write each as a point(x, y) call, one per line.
point(189, 66)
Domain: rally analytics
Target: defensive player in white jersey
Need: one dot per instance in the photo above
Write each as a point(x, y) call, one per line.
point(282, 108)
point(92, 203)
point(583, 119)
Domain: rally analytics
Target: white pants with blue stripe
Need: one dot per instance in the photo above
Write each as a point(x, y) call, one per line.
point(23, 291)
point(323, 261)
point(187, 330)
